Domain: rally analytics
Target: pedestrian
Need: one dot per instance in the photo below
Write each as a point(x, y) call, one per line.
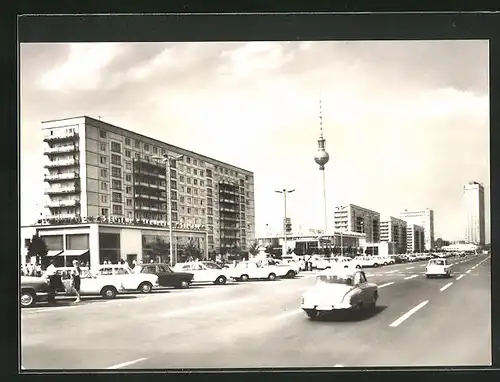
point(75, 280)
point(51, 274)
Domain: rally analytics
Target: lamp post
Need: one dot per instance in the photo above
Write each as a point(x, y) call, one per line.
point(166, 158)
point(284, 192)
point(340, 208)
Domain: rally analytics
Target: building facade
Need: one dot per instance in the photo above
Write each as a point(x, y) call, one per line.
point(473, 197)
point(352, 218)
point(422, 217)
point(98, 170)
point(394, 232)
point(415, 238)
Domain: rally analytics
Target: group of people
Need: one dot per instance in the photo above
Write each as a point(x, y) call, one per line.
point(55, 279)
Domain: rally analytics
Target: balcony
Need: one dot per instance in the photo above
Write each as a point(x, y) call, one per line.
point(224, 209)
point(59, 150)
point(60, 137)
point(61, 177)
point(138, 182)
point(226, 191)
point(62, 163)
point(59, 191)
point(62, 203)
point(229, 201)
point(228, 218)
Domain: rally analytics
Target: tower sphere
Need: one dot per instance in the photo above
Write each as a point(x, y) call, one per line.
point(321, 158)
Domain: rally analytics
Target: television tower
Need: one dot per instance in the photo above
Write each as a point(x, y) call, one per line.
point(322, 159)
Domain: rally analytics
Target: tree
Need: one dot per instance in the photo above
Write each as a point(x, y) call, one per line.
point(37, 248)
point(253, 248)
point(192, 250)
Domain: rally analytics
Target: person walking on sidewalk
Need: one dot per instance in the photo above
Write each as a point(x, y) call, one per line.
point(75, 280)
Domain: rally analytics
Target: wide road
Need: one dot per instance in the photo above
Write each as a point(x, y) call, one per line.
point(418, 322)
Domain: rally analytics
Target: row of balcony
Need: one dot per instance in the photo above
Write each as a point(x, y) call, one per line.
point(228, 218)
point(60, 177)
point(229, 201)
point(62, 203)
point(226, 191)
point(60, 149)
point(65, 190)
point(230, 237)
point(62, 163)
point(231, 210)
point(138, 182)
point(150, 208)
point(60, 137)
point(157, 175)
point(140, 195)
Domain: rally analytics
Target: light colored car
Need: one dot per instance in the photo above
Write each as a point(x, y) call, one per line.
point(96, 285)
point(296, 262)
point(288, 270)
point(131, 281)
point(339, 290)
point(384, 260)
point(249, 270)
point(438, 267)
point(204, 272)
point(365, 261)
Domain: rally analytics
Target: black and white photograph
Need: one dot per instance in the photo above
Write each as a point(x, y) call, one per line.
point(254, 204)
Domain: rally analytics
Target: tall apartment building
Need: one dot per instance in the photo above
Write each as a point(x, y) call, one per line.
point(473, 196)
point(422, 217)
point(352, 218)
point(96, 169)
point(415, 238)
point(394, 230)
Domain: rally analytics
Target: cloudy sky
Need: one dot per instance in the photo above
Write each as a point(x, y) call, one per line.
point(406, 123)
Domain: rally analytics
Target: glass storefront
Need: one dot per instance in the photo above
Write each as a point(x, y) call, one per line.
point(109, 247)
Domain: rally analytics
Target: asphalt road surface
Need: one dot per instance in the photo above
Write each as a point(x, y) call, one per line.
point(418, 322)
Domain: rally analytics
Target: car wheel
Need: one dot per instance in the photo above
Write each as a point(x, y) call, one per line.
point(290, 274)
point(358, 266)
point(221, 280)
point(385, 264)
point(108, 292)
point(244, 278)
point(373, 303)
point(312, 314)
point(271, 277)
point(375, 265)
point(145, 287)
point(428, 276)
point(28, 298)
point(184, 284)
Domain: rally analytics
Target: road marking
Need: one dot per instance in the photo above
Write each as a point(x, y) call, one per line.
point(423, 265)
point(411, 277)
point(384, 285)
point(201, 307)
point(459, 277)
point(287, 314)
point(338, 365)
point(120, 365)
point(392, 271)
point(468, 271)
point(410, 267)
point(405, 316)
point(446, 287)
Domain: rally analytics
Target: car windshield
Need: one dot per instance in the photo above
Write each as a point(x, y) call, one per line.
point(210, 265)
point(334, 279)
point(437, 262)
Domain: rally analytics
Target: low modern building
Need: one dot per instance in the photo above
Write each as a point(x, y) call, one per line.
point(352, 218)
point(473, 198)
point(415, 238)
point(89, 240)
point(394, 232)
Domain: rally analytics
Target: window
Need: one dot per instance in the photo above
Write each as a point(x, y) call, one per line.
point(104, 186)
point(181, 199)
point(128, 153)
point(155, 150)
point(102, 146)
point(173, 185)
point(127, 141)
point(181, 178)
point(104, 211)
point(196, 201)
point(189, 200)
point(202, 183)
point(54, 242)
point(117, 197)
point(188, 160)
point(189, 210)
point(116, 184)
point(175, 217)
point(103, 160)
point(210, 211)
point(102, 133)
point(188, 180)
point(129, 202)
point(116, 147)
point(173, 195)
point(146, 147)
point(173, 173)
point(201, 172)
point(181, 188)
point(117, 209)
point(104, 198)
point(146, 158)
point(209, 182)
point(195, 182)
point(137, 156)
point(209, 173)
point(128, 190)
point(116, 159)
point(188, 190)
point(195, 190)
point(104, 173)
point(174, 206)
point(80, 241)
point(116, 172)
point(188, 170)
point(128, 178)
point(137, 144)
point(195, 172)
point(128, 165)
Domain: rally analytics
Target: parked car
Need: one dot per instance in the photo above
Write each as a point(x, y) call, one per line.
point(34, 289)
point(131, 281)
point(438, 267)
point(281, 269)
point(247, 270)
point(167, 277)
point(365, 261)
point(339, 290)
point(295, 261)
point(97, 285)
point(204, 271)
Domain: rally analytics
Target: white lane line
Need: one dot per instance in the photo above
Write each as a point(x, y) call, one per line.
point(410, 267)
point(411, 277)
point(405, 316)
point(459, 277)
point(202, 307)
point(468, 271)
point(338, 365)
point(391, 272)
point(423, 265)
point(446, 287)
point(384, 285)
point(120, 365)
point(287, 314)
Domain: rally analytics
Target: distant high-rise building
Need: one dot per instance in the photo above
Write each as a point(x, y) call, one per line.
point(415, 238)
point(393, 230)
point(352, 218)
point(422, 217)
point(473, 197)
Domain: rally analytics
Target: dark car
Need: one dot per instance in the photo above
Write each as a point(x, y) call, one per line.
point(35, 289)
point(167, 277)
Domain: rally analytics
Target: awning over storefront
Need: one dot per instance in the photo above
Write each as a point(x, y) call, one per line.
point(54, 253)
point(74, 252)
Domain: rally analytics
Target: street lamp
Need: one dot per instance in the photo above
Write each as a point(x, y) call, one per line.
point(166, 158)
point(284, 192)
point(340, 208)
